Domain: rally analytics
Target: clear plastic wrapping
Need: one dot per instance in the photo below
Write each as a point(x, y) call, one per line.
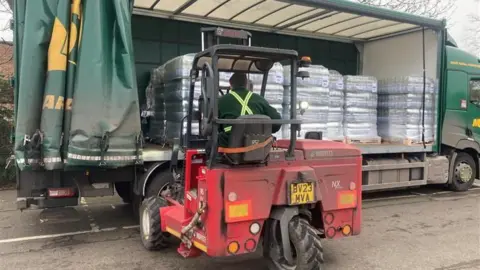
point(155, 106)
point(315, 91)
point(401, 110)
point(274, 91)
point(172, 90)
point(360, 116)
point(336, 106)
point(178, 67)
point(176, 106)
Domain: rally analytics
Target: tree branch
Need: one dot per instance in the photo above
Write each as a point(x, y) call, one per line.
point(437, 9)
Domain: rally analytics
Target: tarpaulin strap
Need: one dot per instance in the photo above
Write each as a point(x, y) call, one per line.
point(27, 148)
point(31, 144)
point(138, 145)
point(104, 144)
point(238, 150)
point(38, 146)
point(244, 103)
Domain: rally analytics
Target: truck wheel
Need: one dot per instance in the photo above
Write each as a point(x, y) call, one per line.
point(159, 183)
point(306, 247)
point(464, 172)
point(124, 191)
point(150, 230)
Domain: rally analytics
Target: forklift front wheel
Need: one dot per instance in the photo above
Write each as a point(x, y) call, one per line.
point(306, 247)
point(150, 231)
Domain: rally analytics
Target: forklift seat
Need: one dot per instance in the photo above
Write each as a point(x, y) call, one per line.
point(249, 143)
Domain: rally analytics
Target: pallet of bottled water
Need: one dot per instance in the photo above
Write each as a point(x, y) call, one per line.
point(360, 113)
point(406, 110)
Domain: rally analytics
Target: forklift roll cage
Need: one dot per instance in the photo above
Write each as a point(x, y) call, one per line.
point(235, 58)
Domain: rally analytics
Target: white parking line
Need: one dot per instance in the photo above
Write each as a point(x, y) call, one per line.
point(93, 224)
point(49, 236)
point(130, 227)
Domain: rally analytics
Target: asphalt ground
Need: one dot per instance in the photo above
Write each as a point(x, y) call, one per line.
point(426, 228)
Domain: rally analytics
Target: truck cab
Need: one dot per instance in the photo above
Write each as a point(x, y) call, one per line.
point(460, 112)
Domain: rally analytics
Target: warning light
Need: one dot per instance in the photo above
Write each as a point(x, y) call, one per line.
point(250, 245)
point(346, 230)
point(331, 232)
point(353, 186)
point(328, 218)
point(255, 228)
point(61, 192)
point(307, 59)
point(233, 247)
point(232, 196)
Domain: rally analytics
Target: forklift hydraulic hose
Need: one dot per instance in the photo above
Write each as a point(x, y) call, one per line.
point(194, 220)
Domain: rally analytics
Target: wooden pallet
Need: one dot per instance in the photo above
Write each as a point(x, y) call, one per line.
point(342, 140)
point(406, 141)
point(363, 141)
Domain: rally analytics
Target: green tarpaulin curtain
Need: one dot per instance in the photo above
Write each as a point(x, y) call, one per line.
point(76, 96)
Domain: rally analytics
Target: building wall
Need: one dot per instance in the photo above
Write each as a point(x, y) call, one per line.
point(6, 59)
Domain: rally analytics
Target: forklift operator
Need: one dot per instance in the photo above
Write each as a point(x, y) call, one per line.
point(242, 101)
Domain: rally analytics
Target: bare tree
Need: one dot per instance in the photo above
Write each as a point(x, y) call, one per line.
point(472, 40)
point(6, 14)
point(437, 9)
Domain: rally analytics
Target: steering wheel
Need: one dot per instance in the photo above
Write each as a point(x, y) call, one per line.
point(206, 108)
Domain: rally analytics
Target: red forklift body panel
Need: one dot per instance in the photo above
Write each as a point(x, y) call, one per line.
point(239, 196)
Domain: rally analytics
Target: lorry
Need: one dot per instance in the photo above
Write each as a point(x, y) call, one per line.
point(77, 96)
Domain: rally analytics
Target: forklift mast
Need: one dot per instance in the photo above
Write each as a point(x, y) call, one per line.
point(211, 36)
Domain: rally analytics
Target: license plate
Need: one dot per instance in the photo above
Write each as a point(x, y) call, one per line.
point(302, 193)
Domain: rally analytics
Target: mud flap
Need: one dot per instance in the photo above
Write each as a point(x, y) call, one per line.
point(452, 167)
point(283, 216)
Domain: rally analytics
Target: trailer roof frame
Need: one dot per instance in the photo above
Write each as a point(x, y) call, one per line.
point(337, 20)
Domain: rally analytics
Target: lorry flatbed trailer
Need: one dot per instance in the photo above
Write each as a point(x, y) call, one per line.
point(154, 152)
point(379, 174)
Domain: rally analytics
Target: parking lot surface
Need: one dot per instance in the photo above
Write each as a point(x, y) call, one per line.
point(426, 228)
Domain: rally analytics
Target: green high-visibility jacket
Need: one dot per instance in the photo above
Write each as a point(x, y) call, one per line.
point(243, 102)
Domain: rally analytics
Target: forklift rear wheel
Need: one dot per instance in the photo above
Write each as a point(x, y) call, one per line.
point(464, 172)
point(150, 231)
point(306, 247)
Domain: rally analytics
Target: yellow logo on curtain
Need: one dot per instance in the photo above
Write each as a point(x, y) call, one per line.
point(62, 42)
point(57, 102)
point(476, 123)
point(57, 52)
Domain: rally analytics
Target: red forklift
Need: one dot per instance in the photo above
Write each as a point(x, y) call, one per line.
point(283, 195)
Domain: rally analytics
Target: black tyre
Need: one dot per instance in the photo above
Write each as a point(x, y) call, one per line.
point(464, 172)
point(124, 190)
point(150, 231)
point(306, 247)
point(155, 186)
point(159, 183)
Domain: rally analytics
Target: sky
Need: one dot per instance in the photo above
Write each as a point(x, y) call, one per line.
point(458, 22)
point(4, 24)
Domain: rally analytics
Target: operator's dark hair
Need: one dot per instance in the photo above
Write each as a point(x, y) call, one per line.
point(238, 80)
